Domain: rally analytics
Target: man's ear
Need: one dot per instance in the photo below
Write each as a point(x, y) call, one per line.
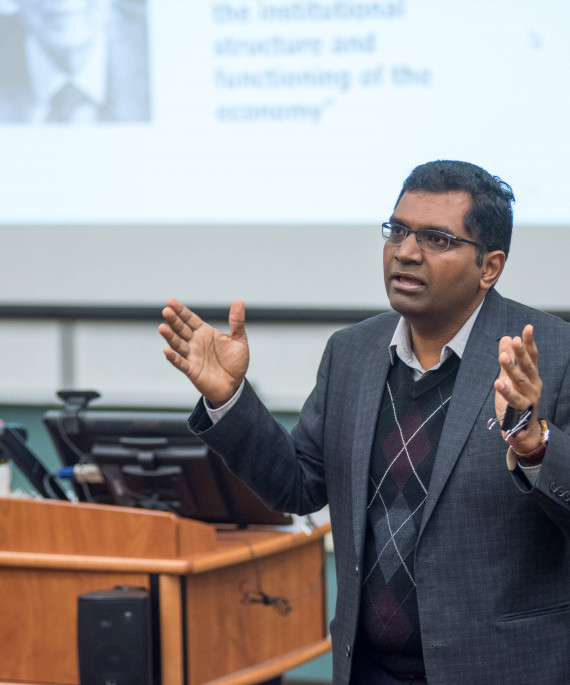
point(492, 268)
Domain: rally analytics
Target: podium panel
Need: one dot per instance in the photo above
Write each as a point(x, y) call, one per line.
point(39, 619)
point(229, 607)
point(227, 616)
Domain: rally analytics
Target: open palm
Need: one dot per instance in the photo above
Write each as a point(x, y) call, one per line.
point(215, 362)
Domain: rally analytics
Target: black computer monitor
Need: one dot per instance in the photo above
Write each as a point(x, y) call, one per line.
point(150, 459)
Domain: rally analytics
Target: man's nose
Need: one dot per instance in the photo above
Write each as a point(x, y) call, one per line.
point(409, 249)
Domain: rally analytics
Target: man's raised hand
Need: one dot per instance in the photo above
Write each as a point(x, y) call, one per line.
point(215, 362)
point(519, 385)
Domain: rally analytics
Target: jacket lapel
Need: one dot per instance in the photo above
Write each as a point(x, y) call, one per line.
point(478, 369)
point(375, 364)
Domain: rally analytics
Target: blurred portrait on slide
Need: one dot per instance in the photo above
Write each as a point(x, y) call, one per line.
point(73, 61)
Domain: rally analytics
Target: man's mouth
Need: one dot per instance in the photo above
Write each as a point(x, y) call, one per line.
point(407, 282)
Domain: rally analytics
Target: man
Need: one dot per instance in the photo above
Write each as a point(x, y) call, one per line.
point(451, 540)
point(74, 61)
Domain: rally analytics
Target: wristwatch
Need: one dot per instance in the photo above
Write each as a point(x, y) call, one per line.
point(534, 457)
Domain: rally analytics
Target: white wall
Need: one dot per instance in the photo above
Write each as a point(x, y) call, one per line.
point(124, 361)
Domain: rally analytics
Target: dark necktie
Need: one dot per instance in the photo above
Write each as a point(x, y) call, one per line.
point(65, 103)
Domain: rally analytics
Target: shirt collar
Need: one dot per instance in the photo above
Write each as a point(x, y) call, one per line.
point(401, 344)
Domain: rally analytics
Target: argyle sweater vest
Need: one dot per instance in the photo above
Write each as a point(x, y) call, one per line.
point(407, 436)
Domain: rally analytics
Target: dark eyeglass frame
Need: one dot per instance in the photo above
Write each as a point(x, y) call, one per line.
point(420, 234)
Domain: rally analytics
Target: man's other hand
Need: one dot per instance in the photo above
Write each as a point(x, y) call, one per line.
point(215, 362)
point(519, 385)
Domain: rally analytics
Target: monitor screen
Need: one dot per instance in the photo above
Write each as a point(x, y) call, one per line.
point(151, 460)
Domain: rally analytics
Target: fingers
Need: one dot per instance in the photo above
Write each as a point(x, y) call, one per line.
point(519, 356)
point(512, 395)
point(177, 361)
point(180, 326)
point(178, 344)
point(529, 344)
point(519, 382)
point(178, 331)
point(180, 319)
point(215, 362)
point(237, 320)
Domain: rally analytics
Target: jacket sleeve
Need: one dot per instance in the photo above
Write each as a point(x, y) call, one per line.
point(552, 487)
point(285, 470)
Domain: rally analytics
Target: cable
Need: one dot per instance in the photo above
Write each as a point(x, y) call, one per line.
point(49, 482)
point(145, 501)
point(253, 593)
point(81, 457)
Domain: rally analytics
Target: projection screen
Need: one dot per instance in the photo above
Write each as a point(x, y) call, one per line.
point(253, 147)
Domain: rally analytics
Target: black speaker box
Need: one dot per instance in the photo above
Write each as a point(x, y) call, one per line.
point(114, 636)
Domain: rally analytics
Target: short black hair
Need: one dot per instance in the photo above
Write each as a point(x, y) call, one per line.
point(490, 219)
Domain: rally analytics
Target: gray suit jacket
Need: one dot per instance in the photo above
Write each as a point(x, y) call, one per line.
point(492, 560)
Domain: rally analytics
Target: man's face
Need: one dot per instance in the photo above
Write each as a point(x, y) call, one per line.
point(433, 289)
point(64, 25)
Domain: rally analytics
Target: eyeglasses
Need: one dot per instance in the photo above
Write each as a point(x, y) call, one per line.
point(429, 239)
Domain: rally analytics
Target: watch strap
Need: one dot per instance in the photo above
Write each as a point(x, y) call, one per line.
point(535, 456)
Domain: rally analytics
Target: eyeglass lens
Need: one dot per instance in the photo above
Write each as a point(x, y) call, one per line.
point(428, 239)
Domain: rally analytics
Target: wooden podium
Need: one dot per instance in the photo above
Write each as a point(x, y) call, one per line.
point(211, 625)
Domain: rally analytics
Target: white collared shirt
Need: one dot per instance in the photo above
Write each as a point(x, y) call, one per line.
point(401, 345)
